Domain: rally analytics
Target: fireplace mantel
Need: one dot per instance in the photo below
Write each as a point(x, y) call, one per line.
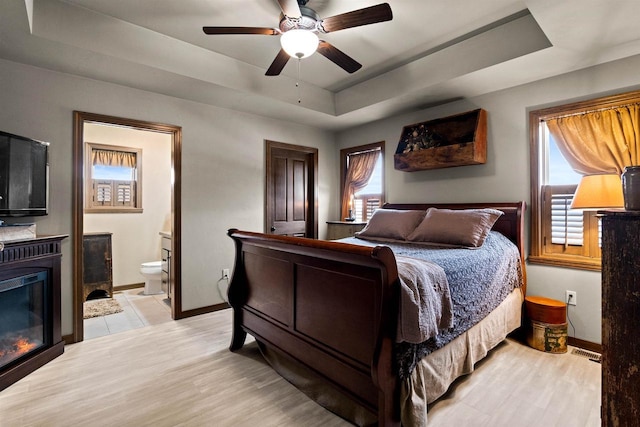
point(23, 257)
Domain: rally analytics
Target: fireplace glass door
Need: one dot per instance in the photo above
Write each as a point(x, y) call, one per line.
point(24, 314)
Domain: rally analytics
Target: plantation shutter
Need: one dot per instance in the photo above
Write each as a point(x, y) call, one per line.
point(563, 228)
point(372, 205)
point(568, 231)
point(357, 208)
point(124, 191)
point(567, 225)
point(365, 207)
point(102, 192)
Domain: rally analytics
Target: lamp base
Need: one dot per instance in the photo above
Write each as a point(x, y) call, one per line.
point(631, 188)
point(350, 218)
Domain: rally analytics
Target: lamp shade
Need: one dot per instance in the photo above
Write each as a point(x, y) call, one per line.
point(598, 191)
point(299, 43)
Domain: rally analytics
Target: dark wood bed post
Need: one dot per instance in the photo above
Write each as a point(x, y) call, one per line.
point(236, 297)
point(383, 374)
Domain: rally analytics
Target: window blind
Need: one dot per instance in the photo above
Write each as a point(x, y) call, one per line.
point(365, 206)
point(372, 205)
point(567, 225)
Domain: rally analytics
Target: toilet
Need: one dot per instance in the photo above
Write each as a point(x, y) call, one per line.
point(152, 272)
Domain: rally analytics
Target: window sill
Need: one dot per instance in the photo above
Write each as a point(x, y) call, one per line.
point(113, 210)
point(579, 263)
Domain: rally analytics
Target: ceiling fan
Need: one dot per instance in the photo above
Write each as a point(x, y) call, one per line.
point(299, 28)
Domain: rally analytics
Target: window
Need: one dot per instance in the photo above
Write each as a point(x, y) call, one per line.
point(362, 179)
point(113, 182)
point(560, 235)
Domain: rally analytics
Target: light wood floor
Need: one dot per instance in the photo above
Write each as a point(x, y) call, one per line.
point(180, 373)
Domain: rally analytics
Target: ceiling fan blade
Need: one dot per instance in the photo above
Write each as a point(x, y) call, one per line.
point(356, 18)
point(290, 8)
point(241, 30)
point(340, 58)
point(278, 64)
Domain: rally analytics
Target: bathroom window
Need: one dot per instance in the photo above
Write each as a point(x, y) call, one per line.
point(113, 183)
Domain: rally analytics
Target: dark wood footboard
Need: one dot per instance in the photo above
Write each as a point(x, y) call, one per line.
point(329, 306)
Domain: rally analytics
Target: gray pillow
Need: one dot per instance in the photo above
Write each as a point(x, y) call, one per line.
point(392, 224)
point(464, 227)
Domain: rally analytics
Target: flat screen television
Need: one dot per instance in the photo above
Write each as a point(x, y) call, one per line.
point(24, 176)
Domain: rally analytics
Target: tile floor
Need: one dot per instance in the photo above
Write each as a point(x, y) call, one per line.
point(139, 310)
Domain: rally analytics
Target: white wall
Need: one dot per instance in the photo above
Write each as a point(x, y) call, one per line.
point(505, 176)
point(135, 237)
point(222, 171)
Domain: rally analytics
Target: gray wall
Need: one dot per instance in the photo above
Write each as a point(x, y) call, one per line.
point(505, 176)
point(223, 165)
point(222, 174)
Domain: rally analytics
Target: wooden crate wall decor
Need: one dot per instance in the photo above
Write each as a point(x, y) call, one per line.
point(457, 140)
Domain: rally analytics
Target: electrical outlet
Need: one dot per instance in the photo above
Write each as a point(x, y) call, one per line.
point(571, 298)
point(225, 273)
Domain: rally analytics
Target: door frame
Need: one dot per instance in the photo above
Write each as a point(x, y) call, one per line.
point(78, 194)
point(312, 191)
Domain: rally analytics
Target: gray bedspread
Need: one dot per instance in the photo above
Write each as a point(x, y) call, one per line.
point(425, 300)
point(479, 280)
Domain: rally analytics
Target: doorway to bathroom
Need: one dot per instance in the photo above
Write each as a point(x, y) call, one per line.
point(126, 213)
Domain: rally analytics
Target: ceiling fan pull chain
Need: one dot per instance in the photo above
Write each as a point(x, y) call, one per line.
point(298, 82)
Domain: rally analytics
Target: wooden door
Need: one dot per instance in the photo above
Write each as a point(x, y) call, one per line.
point(291, 190)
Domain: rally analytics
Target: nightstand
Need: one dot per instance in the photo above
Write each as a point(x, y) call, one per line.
point(342, 229)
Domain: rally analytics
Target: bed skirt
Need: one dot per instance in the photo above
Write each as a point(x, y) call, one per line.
point(431, 378)
point(434, 374)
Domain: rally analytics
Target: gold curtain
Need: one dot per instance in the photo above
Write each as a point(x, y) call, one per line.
point(600, 142)
point(113, 158)
point(361, 167)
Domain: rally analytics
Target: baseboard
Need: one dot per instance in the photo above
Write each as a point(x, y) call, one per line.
point(127, 287)
point(587, 345)
point(203, 310)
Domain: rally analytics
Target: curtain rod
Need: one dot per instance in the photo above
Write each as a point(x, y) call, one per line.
point(596, 110)
point(365, 151)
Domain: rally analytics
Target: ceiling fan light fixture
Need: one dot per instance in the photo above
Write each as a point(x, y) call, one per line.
point(299, 43)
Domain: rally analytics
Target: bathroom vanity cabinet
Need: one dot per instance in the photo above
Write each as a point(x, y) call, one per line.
point(96, 266)
point(166, 261)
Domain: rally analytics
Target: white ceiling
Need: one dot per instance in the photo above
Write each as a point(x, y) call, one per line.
point(431, 52)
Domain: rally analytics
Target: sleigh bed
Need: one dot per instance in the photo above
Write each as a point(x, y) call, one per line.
point(330, 317)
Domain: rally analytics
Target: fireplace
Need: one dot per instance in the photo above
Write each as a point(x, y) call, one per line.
point(23, 317)
point(30, 333)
